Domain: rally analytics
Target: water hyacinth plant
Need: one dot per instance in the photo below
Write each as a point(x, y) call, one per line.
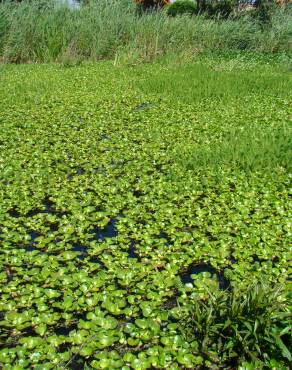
point(142, 228)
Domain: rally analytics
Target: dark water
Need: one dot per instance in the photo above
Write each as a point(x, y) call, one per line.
point(204, 267)
point(131, 252)
point(108, 232)
point(100, 234)
point(143, 106)
point(82, 251)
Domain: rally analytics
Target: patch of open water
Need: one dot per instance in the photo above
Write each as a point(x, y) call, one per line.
point(131, 252)
point(109, 231)
point(204, 267)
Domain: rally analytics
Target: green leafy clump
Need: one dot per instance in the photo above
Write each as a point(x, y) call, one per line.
point(264, 11)
point(124, 192)
point(182, 7)
point(250, 324)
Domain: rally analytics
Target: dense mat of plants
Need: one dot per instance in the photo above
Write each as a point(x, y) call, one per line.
point(142, 228)
point(41, 31)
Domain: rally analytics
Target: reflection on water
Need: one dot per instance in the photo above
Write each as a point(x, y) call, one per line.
point(74, 4)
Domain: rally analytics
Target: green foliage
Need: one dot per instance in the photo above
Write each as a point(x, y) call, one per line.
point(224, 80)
point(182, 7)
point(220, 8)
point(250, 149)
point(265, 10)
point(33, 33)
point(110, 225)
point(251, 324)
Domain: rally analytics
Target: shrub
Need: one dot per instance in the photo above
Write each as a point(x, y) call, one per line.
point(222, 8)
point(264, 11)
point(183, 7)
point(247, 323)
point(146, 5)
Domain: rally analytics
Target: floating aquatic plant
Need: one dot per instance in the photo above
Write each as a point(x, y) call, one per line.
point(113, 214)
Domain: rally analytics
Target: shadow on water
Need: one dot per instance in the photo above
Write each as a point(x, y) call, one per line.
point(232, 259)
point(108, 232)
point(163, 235)
point(76, 171)
point(170, 303)
point(65, 330)
point(30, 248)
point(98, 234)
point(82, 251)
point(32, 244)
point(13, 213)
point(9, 274)
point(259, 260)
point(143, 106)
point(204, 267)
point(48, 207)
point(77, 363)
point(131, 252)
point(33, 236)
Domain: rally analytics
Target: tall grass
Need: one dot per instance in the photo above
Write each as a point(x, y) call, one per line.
point(248, 144)
point(30, 31)
point(197, 81)
point(250, 148)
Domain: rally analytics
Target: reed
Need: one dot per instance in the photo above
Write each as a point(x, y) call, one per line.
point(34, 32)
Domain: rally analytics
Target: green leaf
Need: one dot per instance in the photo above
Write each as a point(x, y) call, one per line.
point(285, 352)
